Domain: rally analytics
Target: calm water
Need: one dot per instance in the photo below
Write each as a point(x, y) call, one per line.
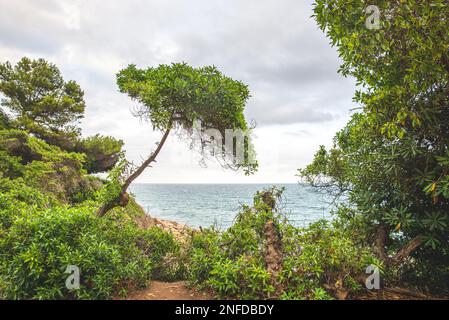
point(206, 204)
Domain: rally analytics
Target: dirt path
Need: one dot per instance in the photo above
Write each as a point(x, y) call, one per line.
point(158, 290)
point(178, 291)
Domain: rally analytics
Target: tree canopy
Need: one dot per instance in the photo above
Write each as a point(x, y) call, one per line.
point(177, 95)
point(39, 98)
point(392, 158)
point(181, 94)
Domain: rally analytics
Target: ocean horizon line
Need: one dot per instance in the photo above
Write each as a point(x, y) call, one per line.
point(218, 183)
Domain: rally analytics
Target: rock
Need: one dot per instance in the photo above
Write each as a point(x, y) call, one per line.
point(180, 231)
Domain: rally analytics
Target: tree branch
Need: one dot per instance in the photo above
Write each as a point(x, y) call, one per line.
point(123, 199)
point(403, 253)
point(407, 250)
point(146, 163)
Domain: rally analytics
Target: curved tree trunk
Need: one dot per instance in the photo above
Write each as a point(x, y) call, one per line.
point(123, 199)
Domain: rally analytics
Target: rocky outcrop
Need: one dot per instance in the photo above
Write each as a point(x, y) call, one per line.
point(180, 231)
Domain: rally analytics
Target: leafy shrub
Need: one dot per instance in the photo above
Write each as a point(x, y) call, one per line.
point(87, 189)
point(315, 261)
point(18, 199)
point(113, 254)
point(116, 177)
point(165, 254)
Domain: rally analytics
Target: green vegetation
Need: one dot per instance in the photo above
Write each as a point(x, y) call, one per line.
point(392, 158)
point(40, 237)
point(44, 167)
point(40, 100)
point(262, 256)
point(113, 254)
point(48, 199)
point(390, 163)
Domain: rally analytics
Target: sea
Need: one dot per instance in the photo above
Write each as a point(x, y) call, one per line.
point(217, 204)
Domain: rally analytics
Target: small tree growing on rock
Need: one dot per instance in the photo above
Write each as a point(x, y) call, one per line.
point(174, 97)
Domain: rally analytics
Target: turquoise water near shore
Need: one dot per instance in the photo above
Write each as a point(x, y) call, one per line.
point(206, 204)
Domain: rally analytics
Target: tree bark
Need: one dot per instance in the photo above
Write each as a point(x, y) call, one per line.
point(123, 199)
point(379, 244)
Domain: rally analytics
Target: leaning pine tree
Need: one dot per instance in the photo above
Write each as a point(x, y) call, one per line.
point(173, 98)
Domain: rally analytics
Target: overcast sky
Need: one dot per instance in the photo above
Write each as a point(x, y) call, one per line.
point(298, 99)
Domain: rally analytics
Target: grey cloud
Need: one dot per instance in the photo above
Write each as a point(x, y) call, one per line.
point(34, 26)
point(273, 46)
point(268, 114)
